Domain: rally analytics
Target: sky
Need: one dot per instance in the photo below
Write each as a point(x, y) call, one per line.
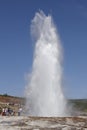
point(16, 47)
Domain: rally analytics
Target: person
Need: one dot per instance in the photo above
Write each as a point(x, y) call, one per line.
point(19, 111)
point(3, 111)
point(6, 111)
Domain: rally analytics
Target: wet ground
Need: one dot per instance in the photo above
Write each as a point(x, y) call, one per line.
point(43, 123)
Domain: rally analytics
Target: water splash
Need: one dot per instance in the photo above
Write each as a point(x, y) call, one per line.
point(44, 91)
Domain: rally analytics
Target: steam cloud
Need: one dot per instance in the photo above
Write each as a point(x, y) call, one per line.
point(44, 90)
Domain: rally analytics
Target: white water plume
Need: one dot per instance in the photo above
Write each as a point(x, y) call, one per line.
point(44, 94)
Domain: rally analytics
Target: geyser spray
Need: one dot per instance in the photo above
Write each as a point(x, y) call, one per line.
point(44, 95)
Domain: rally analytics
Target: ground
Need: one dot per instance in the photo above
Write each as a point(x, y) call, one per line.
point(43, 123)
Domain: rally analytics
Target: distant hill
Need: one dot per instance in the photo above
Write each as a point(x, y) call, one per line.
point(79, 104)
point(11, 99)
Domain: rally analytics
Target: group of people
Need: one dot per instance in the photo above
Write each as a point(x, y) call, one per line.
point(9, 112)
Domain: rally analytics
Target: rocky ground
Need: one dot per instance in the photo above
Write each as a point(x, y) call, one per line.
point(43, 123)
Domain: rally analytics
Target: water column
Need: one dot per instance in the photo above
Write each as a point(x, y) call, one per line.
point(44, 95)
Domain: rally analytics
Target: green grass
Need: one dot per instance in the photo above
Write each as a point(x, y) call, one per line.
point(80, 104)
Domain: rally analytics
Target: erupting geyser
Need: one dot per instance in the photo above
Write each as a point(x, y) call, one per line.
point(43, 92)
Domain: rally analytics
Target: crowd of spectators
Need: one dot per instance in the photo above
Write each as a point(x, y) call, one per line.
point(5, 111)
